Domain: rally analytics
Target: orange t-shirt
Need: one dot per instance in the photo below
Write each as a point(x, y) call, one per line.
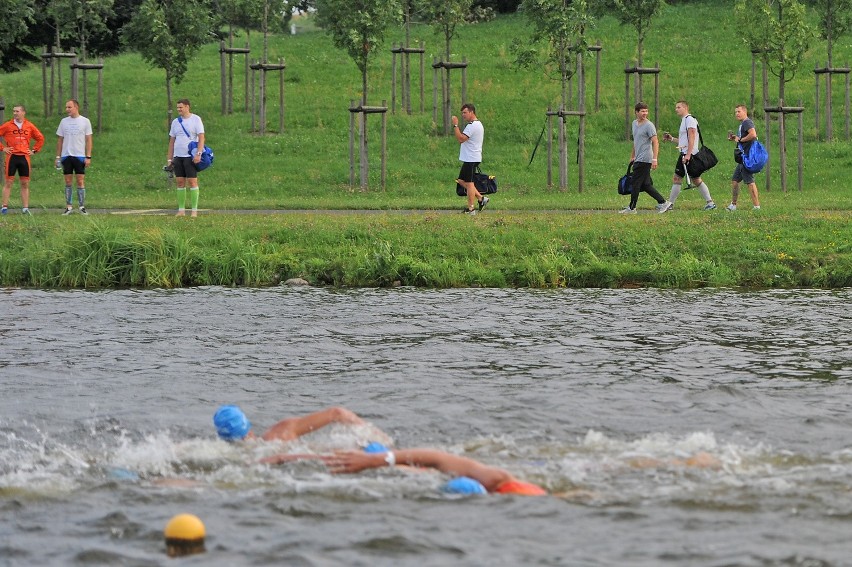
point(19, 138)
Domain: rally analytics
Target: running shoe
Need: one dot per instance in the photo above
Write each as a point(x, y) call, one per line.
point(627, 211)
point(483, 202)
point(732, 207)
point(710, 206)
point(667, 206)
point(4, 210)
point(67, 211)
point(83, 211)
point(469, 211)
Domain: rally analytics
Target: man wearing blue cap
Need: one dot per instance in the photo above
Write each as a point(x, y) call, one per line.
point(233, 425)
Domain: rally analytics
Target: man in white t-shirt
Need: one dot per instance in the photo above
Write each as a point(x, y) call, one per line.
point(186, 128)
point(74, 154)
point(688, 143)
point(470, 154)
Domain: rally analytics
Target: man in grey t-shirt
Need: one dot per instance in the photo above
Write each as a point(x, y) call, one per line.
point(644, 154)
point(745, 136)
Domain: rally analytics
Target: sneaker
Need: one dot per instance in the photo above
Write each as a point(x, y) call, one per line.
point(667, 206)
point(483, 202)
point(26, 212)
point(627, 211)
point(710, 206)
point(4, 210)
point(83, 211)
point(469, 211)
point(68, 211)
point(732, 207)
point(756, 208)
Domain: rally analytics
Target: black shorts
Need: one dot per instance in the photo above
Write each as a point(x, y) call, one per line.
point(71, 164)
point(468, 168)
point(184, 167)
point(19, 164)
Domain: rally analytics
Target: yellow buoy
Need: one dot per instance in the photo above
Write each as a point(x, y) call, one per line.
point(184, 535)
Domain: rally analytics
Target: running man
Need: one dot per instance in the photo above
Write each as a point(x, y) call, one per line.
point(17, 134)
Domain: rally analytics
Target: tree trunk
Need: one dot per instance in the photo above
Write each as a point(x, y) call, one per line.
point(169, 96)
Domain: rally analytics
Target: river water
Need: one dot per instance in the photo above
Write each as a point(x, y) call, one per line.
point(601, 396)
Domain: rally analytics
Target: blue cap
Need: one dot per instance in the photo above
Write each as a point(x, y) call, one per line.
point(375, 447)
point(464, 485)
point(231, 423)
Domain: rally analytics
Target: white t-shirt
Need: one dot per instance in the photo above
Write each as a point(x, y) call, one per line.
point(471, 149)
point(688, 122)
point(193, 125)
point(73, 132)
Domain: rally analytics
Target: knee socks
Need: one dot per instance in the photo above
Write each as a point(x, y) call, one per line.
point(675, 192)
point(193, 197)
point(81, 195)
point(181, 195)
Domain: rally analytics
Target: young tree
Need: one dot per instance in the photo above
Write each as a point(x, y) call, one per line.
point(638, 13)
point(779, 30)
point(446, 16)
point(167, 33)
point(80, 19)
point(358, 27)
point(835, 19)
point(15, 17)
point(562, 26)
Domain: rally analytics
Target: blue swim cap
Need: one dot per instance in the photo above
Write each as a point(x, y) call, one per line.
point(375, 447)
point(231, 423)
point(464, 485)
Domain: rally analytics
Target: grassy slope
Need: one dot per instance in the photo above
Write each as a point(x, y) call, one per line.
point(307, 166)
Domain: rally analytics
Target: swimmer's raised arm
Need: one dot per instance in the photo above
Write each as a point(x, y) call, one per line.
point(295, 427)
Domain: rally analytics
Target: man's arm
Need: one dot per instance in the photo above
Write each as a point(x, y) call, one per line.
point(59, 146)
point(655, 147)
point(356, 461)
point(295, 427)
point(39, 138)
point(170, 154)
point(88, 147)
point(690, 144)
point(197, 157)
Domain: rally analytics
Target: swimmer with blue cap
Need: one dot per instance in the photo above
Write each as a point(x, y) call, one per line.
point(471, 477)
point(233, 425)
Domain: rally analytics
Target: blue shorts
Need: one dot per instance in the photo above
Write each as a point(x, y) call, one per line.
point(741, 174)
point(73, 164)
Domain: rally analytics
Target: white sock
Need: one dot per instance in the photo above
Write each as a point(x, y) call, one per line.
point(705, 192)
point(675, 192)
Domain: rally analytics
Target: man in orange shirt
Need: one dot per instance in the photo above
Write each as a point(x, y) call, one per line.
point(17, 134)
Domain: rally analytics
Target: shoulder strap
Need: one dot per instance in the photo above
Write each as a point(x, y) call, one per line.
point(180, 121)
point(697, 127)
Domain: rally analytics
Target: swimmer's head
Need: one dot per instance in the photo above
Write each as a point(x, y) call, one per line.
point(463, 485)
point(520, 488)
point(231, 423)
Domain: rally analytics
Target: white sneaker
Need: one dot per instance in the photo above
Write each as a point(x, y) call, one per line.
point(667, 206)
point(757, 208)
point(627, 211)
point(710, 206)
point(732, 207)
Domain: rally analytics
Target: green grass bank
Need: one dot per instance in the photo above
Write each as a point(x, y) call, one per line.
point(800, 238)
point(538, 250)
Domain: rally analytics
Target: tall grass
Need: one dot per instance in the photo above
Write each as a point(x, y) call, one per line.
point(433, 250)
